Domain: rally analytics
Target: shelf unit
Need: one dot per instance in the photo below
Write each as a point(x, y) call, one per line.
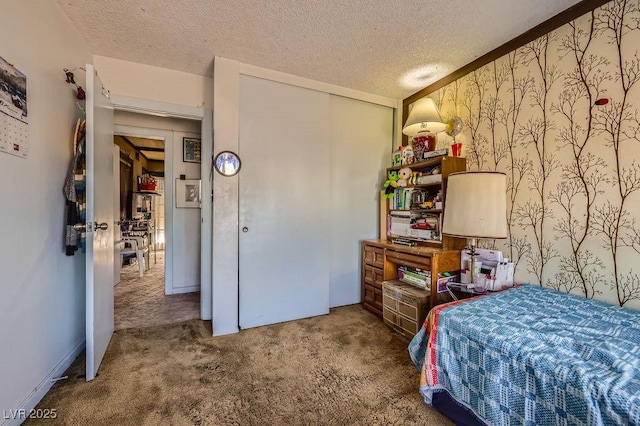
point(447, 166)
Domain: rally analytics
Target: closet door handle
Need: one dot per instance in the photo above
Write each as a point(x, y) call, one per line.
point(245, 229)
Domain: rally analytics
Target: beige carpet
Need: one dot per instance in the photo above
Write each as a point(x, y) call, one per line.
point(141, 302)
point(346, 368)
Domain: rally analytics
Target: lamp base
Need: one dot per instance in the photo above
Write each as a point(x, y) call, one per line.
point(477, 283)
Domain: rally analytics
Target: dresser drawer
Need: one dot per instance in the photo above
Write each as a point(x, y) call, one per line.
point(373, 309)
point(402, 325)
point(404, 307)
point(410, 311)
point(373, 276)
point(373, 296)
point(411, 260)
point(373, 256)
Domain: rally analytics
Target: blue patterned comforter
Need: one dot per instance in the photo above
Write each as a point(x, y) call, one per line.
point(534, 356)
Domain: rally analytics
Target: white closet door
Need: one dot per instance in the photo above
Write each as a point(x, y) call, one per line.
point(361, 143)
point(284, 201)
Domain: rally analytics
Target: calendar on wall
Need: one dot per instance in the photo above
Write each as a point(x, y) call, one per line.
point(14, 137)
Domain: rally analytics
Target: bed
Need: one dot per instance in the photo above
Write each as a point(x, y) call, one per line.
point(531, 355)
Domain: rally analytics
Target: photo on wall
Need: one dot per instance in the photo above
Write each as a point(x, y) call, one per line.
point(188, 193)
point(191, 150)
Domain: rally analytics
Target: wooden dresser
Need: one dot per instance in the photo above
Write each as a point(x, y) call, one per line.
point(380, 261)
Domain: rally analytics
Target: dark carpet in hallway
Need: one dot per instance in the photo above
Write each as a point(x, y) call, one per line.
point(346, 368)
point(141, 302)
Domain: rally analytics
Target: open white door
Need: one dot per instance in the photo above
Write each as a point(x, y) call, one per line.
point(100, 221)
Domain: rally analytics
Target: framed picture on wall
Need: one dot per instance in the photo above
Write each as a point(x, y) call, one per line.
point(188, 193)
point(191, 150)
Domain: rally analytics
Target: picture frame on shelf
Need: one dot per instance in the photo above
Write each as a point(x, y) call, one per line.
point(188, 194)
point(191, 150)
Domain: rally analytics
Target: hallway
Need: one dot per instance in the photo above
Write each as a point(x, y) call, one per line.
point(141, 302)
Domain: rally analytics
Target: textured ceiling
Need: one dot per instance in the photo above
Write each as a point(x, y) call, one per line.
point(386, 47)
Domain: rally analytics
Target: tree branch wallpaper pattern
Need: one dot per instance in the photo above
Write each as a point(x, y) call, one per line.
point(560, 117)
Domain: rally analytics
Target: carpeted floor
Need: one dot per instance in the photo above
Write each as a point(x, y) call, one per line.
point(346, 368)
point(141, 302)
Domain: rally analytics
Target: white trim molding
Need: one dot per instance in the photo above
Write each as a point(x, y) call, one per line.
point(226, 104)
point(160, 109)
point(204, 115)
point(333, 89)
point(182, 290)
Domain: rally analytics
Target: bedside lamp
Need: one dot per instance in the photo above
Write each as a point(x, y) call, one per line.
point(423, 122)
point(476, 207)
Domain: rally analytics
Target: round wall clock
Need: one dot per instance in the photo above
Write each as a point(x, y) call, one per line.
point(227, 163)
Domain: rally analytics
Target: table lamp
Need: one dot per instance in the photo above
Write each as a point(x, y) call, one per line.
point(475, 207)
point(423, 123)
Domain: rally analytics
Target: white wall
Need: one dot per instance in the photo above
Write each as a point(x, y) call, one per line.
point(153, 83)
point(42, 295)
point(186, 222)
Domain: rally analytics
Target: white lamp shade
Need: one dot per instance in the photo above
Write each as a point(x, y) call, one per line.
point(424, 116)
point(476, 205)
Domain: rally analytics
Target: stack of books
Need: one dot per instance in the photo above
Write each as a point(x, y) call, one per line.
point(414, 224)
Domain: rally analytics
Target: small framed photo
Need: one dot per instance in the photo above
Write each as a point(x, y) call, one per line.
point(191, 150)
point(188, 193)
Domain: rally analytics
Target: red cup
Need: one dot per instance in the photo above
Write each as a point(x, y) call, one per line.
point(456, 149)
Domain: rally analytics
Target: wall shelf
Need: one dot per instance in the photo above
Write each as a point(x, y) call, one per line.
point(434, 211)
point(147, 192)
point(431, 162)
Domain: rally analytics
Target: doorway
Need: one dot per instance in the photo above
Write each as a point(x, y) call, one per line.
point(160, 276)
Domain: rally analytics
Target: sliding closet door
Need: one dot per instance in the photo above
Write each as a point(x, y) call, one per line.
point(284, 202)
point(361, 142)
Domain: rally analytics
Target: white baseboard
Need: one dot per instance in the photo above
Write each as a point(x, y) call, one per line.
point(181, 290)
point(41, 390)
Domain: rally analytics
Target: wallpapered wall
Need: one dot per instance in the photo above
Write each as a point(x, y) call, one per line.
point(572, 160)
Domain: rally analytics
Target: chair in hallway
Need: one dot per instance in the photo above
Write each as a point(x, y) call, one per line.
point(138, 246)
